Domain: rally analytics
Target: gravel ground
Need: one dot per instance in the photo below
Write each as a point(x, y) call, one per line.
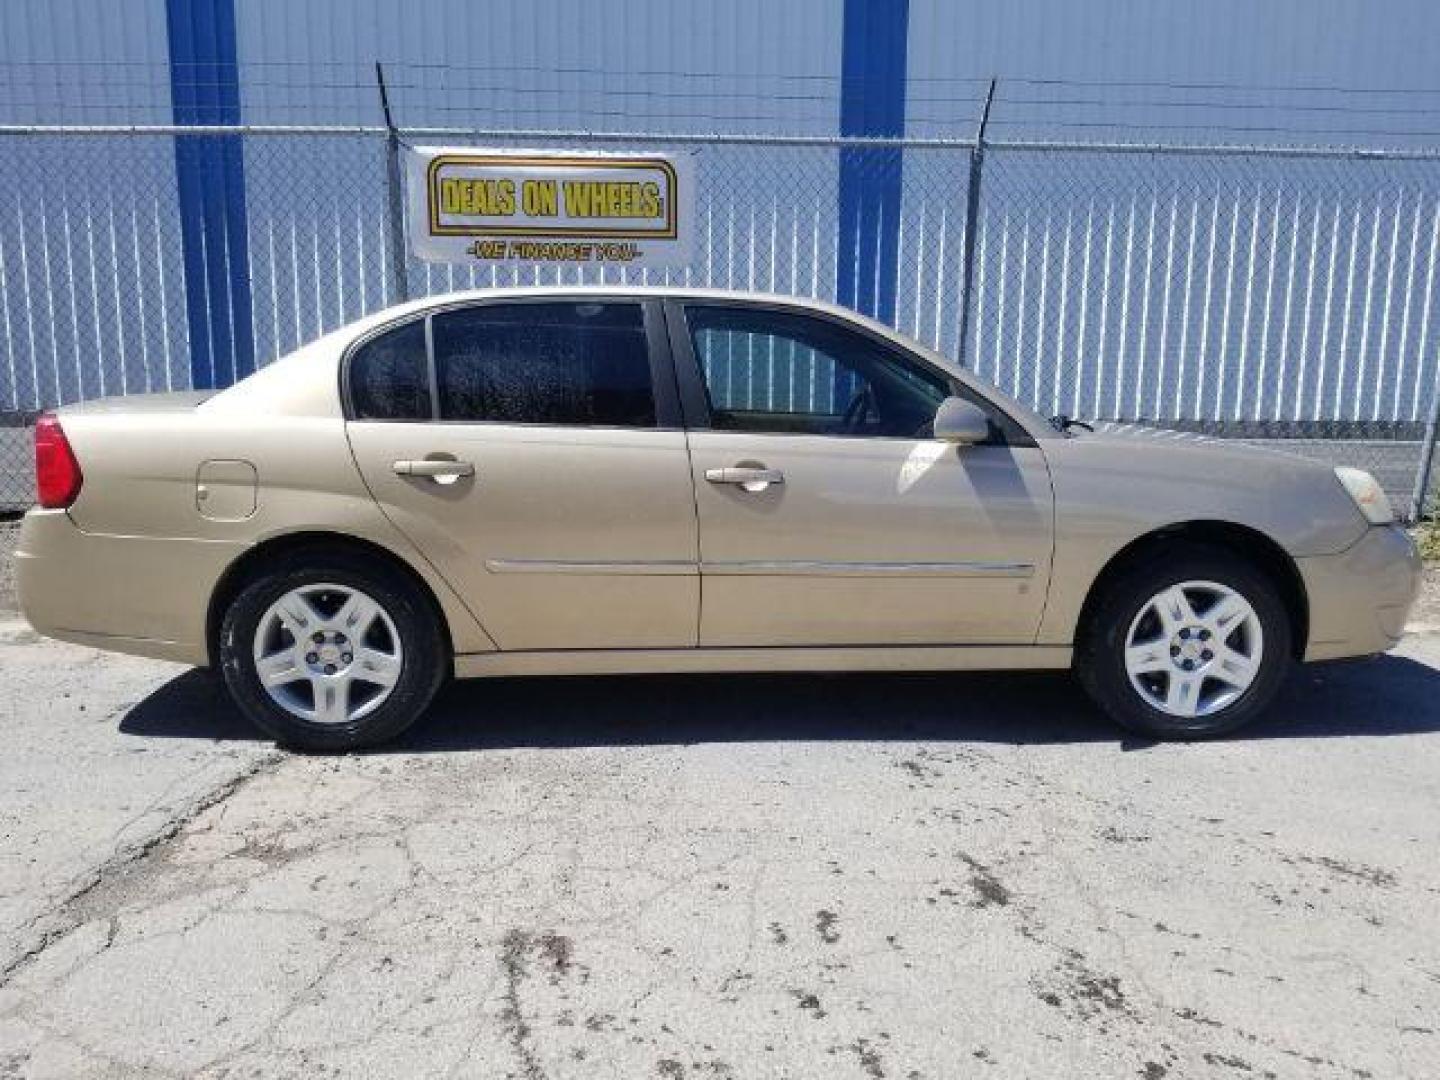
point(1427, 608)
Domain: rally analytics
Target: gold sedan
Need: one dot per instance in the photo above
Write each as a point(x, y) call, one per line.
point(565, 481)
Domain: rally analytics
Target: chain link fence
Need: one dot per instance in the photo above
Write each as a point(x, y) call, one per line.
point(1279, 295)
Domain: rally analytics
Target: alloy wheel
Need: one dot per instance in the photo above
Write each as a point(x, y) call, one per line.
point(327, 653)
point(1194, 649)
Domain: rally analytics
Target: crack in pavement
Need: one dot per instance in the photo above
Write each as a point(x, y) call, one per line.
point(66, 920)
point(555, 950)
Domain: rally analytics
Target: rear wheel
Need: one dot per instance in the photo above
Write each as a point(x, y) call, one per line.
point(1188, 643)
point(326, 652)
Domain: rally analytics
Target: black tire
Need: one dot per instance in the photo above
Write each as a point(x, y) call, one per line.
point(1100, 649)
point(424, 656)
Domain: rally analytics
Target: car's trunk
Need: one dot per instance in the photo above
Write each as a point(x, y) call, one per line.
point(175, 401)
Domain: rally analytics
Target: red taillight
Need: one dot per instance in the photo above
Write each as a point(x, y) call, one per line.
point(57, 473)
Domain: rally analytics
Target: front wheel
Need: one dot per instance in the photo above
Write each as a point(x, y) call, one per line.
point(1187, 644)
point(331, 652)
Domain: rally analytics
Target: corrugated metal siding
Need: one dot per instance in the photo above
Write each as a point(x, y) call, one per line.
point(1192, 288)
point(747, 66)
point(84, 62)
point(1236, 41)
point(1196, 47)
point(91, 293)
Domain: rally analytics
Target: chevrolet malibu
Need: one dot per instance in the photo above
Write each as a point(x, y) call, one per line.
point(574, 481)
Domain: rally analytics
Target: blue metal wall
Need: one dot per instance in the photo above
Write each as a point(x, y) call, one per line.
point(210, 179)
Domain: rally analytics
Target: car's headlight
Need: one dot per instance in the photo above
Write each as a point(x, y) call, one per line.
point(1369, 496)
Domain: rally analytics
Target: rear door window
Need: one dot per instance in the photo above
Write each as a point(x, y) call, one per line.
point(563, 363)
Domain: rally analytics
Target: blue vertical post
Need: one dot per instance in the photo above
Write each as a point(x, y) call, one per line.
point(872, 103)
point(210, 180)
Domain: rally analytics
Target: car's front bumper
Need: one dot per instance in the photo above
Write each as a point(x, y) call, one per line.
point(1360, 598)
point(143, 595)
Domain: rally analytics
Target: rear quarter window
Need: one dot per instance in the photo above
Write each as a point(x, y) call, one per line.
point(389, 378)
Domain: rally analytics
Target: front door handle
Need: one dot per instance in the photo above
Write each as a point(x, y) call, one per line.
point(441, 470)
point(748, 477)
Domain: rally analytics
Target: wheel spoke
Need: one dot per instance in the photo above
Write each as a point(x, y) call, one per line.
point(280, 669)
point(1182, 696)
point(1232, 667)
point(1174, 609)
point(332, 698)
point(374, 666)
point(1228, 612)
point(356, 615)
point(1148, 658)
point(297, 614)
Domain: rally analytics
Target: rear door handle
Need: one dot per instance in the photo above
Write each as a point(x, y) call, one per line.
point(439, 470)
point(749, 478)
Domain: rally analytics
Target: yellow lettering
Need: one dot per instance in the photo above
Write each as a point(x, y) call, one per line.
point(538, 198)
point(577, 199)
point(450, 196)
point(486, 198)
point(615, 199)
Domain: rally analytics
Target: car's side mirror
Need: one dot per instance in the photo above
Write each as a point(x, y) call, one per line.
point(961, 422)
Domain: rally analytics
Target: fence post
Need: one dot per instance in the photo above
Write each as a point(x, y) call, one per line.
point(1427, 456)
point(395, 201)
point(972, 215)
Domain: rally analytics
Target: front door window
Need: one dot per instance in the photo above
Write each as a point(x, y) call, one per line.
point(781, 372)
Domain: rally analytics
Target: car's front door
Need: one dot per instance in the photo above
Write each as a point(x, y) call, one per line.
point(828, 515)
point(533, 452)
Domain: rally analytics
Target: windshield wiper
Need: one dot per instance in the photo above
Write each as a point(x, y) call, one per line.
point(1063, 424)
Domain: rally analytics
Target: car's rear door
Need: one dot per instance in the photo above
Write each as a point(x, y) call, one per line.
point(533, 450)
point(828, 515)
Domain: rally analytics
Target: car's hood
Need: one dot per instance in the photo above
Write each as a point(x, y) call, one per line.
point(1133, 434)
point(1153, 478)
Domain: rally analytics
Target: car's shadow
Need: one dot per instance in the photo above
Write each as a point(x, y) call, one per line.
point(1390, 695)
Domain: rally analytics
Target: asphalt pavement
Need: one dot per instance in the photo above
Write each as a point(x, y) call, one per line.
point(846, 876)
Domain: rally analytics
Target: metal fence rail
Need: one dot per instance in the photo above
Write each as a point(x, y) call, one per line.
point(1275, 293)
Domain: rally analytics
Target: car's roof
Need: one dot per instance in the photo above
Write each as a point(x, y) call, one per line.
point(638, 292)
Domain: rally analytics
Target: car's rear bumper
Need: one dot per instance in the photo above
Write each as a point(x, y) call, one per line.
point(131, 594)
point(1359, 599)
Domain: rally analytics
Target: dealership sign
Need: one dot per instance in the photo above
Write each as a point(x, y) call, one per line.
point(527, 207)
